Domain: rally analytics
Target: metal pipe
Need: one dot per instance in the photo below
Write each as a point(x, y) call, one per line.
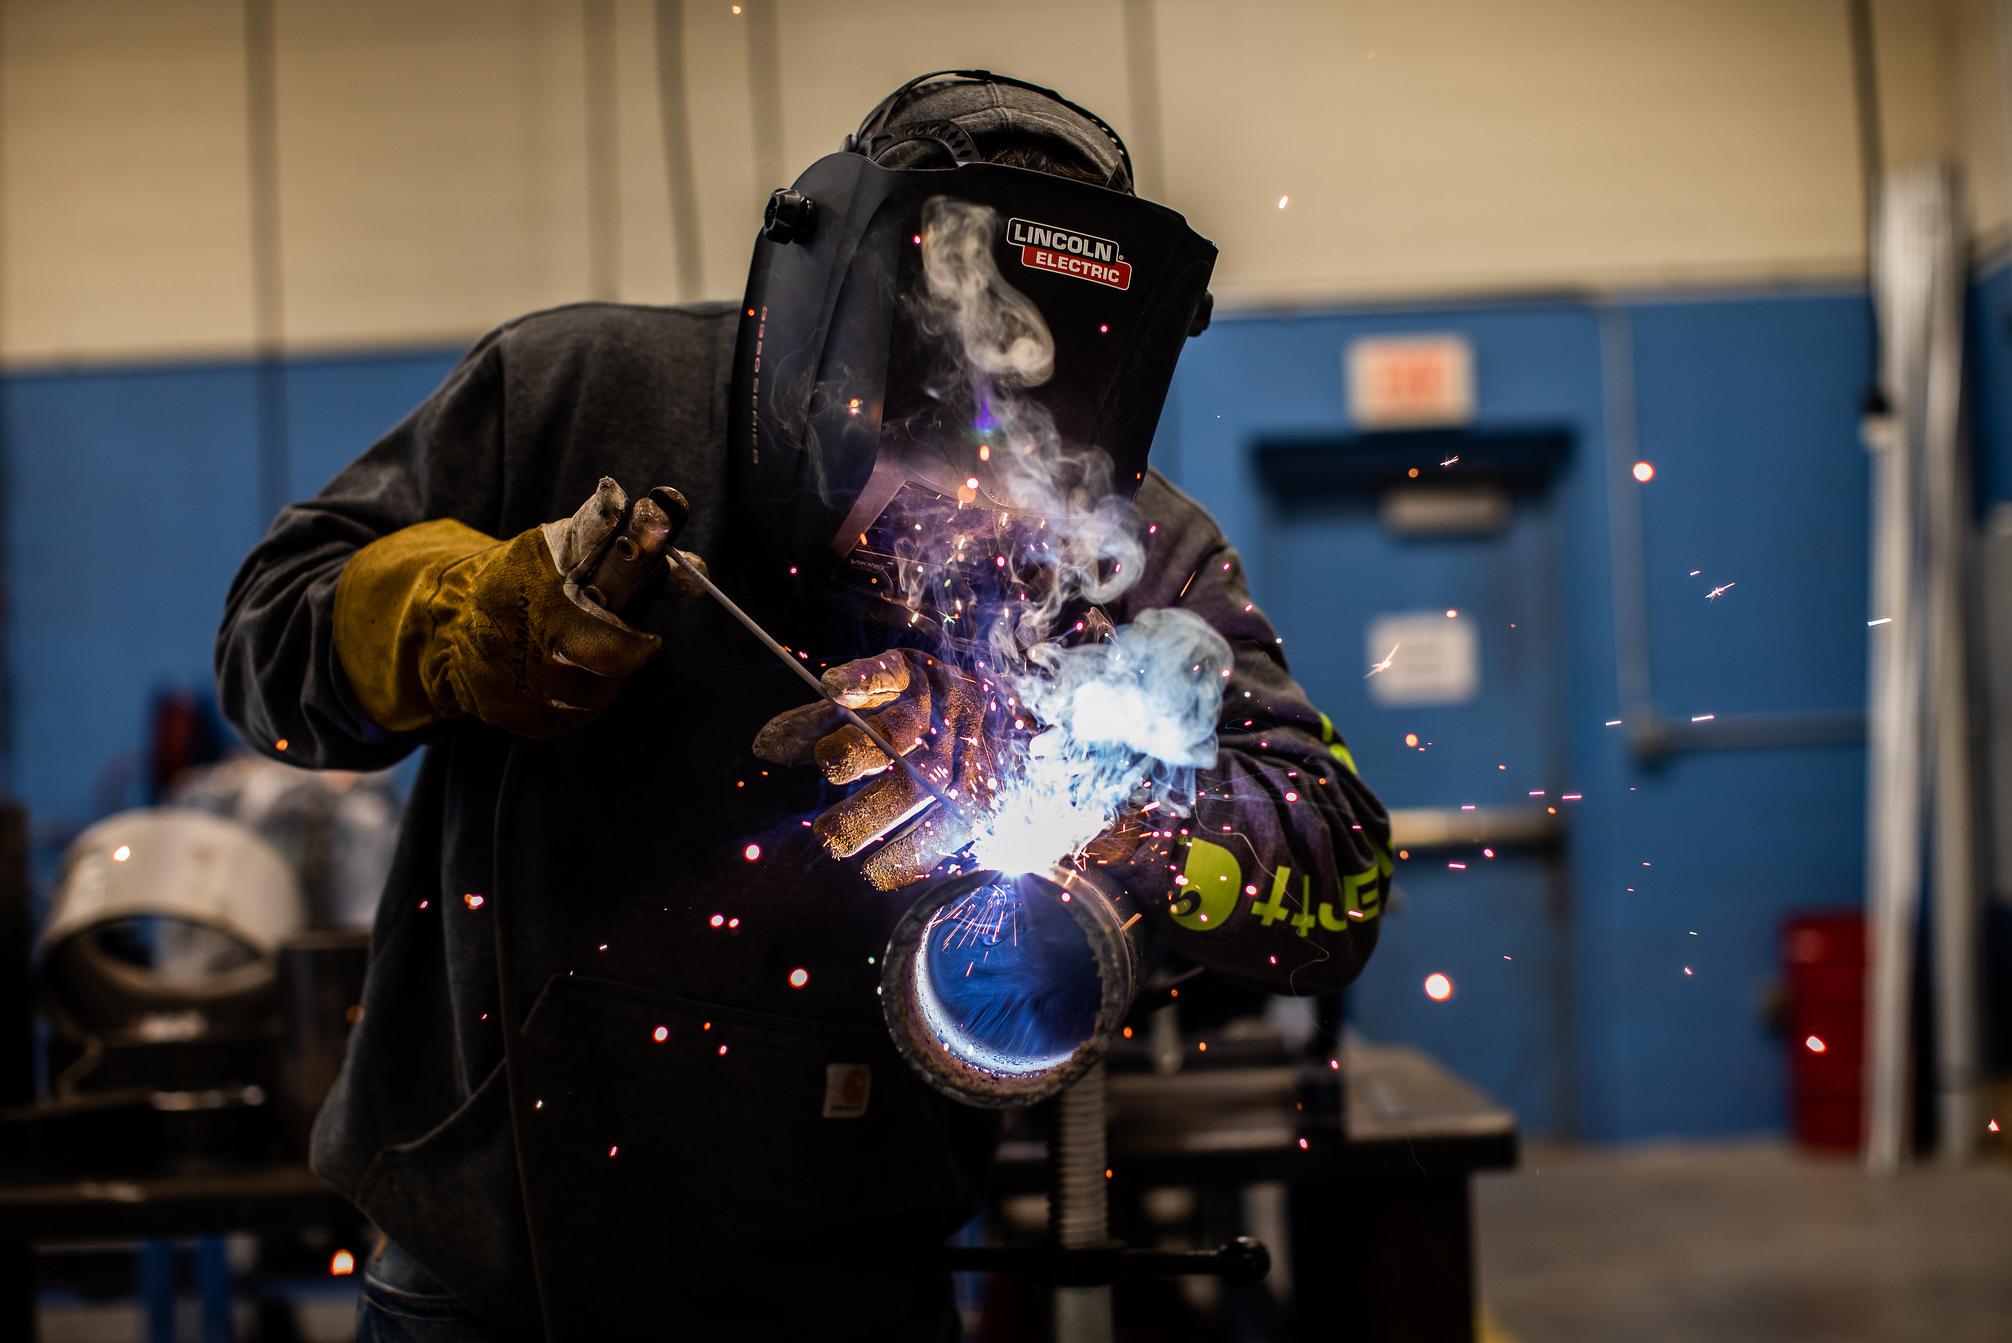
point(1079, 1214)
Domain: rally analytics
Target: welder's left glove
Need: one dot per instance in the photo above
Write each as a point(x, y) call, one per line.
point(929, 711)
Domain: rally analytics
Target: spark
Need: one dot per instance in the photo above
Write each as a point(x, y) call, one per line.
point(1488, 853)
point(341, 1264)
point(661, 1034)
point(1696, 572)
point(1644, 472)
point(1815, 1045)
point(1452, 614)
point(852, 406)
point(1719, 591)
point(717, 920)
point(1384, 665)
point(122, 853)
point(472, 900)
point(751, 852)
point(797, 979)
point(1992, 1126)
point(736, 8)
point(613, 1150)
point(279, 745)
point(1451, 460)
point(1457, 867)
point(1687, 969)
point(1282, 200)
point(1411, 739)
point(1703, 717)
point(1438, 987)
point(1613, 722)
point(1883, 620)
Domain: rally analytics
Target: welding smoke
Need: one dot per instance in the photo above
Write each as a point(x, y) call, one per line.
point(1122, 720)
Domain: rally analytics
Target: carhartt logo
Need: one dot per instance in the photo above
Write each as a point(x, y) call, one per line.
point(847, 1087)
point(1067, 252)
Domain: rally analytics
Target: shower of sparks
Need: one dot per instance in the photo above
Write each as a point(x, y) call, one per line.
point(1719, 591)
point(1815, 1045)
point(1438, 987)
point(1384, 665)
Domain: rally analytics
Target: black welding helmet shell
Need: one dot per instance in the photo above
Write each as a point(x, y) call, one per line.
point(840, 401)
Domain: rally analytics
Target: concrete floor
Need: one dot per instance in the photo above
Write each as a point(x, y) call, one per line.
point(1742, 1242)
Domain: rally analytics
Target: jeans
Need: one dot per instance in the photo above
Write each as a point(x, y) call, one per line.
point(403, 1303)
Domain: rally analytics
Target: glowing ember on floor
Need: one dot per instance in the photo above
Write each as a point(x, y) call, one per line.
point(1438, 987)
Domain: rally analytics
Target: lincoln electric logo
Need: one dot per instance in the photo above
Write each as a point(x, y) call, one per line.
point(1065, 252)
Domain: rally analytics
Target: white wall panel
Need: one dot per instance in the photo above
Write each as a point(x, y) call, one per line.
point(124, 212)
point(838, 60)
point(432, 166)
point(1981, 116)
point(1470, 144)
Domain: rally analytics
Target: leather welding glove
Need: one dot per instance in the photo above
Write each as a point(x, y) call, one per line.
point(927, 710)
point(439, 621)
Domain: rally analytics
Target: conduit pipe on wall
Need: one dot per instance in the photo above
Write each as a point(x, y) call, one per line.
point(1920, 668)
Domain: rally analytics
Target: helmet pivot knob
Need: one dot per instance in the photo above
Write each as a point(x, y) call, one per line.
point(789, 216)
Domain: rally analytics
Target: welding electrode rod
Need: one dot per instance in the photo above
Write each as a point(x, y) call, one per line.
point(789, 660)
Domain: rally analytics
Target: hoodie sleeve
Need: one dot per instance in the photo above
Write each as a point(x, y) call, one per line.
point(1279, 878)
point(279, 679)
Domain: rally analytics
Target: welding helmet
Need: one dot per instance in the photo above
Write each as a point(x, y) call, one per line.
point(844, 415)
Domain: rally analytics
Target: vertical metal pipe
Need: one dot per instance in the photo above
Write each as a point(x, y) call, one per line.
point(604, 194)
point(268, 307)
point(1957, 885)
point(680, 173)
point(1079, 1214)
point(765, 92)
point(1142, 72)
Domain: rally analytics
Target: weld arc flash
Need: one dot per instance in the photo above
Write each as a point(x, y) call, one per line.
point(840, 401)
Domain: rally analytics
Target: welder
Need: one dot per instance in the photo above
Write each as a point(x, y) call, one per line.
point(621, 1071)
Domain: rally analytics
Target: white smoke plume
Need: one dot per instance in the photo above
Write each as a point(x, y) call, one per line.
point(1124, 719)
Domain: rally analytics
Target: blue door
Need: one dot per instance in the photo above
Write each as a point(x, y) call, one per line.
point(1472, 964)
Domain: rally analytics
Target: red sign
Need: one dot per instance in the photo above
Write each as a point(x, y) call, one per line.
point(1117, 274)
point(1410, 380)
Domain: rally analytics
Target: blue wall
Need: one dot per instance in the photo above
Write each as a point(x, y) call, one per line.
point(130, 496)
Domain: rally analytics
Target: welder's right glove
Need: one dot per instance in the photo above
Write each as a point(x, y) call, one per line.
point(929, 711)
point(439, 621)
